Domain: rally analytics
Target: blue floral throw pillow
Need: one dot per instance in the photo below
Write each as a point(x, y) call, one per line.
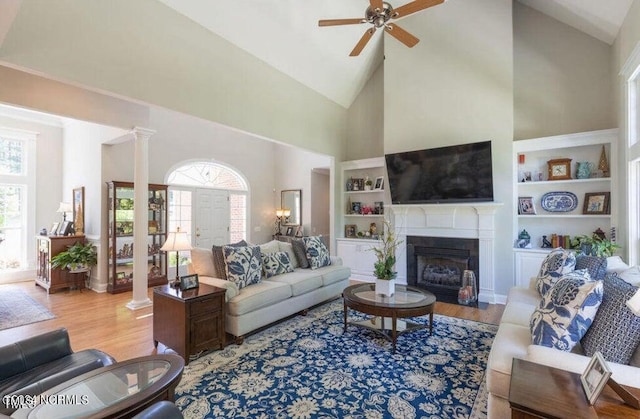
point(566, 311)
point(243, 264)
point(317, 252)
point(557, 263)
point(276, 263)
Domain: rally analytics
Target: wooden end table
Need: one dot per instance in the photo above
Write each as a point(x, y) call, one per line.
point(190, 321)
point(539, 391)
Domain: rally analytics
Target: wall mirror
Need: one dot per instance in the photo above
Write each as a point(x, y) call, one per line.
point(292, 199)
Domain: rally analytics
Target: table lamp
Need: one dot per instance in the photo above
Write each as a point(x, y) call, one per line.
point(64, 208)
point(281, 214)
point(176, 242)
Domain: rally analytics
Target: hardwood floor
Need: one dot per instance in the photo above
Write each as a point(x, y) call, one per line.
point(102, 321)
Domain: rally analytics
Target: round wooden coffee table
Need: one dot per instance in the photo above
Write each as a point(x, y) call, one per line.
point(406, 302)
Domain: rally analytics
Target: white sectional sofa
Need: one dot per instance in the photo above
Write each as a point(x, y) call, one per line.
point(275, 298)
point(514, 340)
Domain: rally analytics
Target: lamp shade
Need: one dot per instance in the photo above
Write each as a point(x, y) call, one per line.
point(634, 303)
point(64, 207)
point(176, 241)
point(279, 212)
point(286, 212)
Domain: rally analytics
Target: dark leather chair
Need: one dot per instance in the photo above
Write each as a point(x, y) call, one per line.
point(36, 364)
point(160, 410)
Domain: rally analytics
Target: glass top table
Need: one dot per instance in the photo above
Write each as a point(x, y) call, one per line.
point(386, 311)
point(116, 390)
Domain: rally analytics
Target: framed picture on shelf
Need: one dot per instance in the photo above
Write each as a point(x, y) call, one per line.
point(526, 206)
point(78, 210)
point(358, 184)
point(356, 207)
point(378, 183)
point(54, 229)
point(188, 282)
point(289, 231)
point(378, 207)
point(596, 203)
point(595, 377)
point(350, 231)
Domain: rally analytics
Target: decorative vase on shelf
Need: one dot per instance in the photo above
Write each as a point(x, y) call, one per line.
point(385, 287)
point(468, 292)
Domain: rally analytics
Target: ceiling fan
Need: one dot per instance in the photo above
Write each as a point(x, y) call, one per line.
point(378, 14)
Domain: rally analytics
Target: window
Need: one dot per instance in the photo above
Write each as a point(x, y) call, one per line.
point(17, 183)
point(631, 73)
point(183, 182)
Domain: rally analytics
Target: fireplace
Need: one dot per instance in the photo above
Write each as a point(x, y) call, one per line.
point(437, 263)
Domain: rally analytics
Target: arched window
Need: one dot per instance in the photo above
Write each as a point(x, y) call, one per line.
point(191, 180)
point(208, 175)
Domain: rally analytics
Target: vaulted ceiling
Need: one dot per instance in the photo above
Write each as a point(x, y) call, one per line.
point(285, 33)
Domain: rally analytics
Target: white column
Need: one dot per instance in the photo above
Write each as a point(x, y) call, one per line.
point(140, 218)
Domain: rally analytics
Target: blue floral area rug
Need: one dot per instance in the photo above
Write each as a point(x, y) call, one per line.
point(307, 367)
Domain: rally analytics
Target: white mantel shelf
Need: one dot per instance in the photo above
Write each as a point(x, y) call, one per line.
point(462, 220)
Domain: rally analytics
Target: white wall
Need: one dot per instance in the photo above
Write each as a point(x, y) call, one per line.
point(320, 197)
point(293, 171)
point(456, 86)
point(562, 78)
point(365, 125)
point(146, 51)
point(182, 138)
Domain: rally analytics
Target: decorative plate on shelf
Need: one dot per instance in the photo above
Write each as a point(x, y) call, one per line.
point(559, 201)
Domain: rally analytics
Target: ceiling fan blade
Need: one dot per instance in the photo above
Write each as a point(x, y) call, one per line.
point(401, 35)
point(334, 22)
point(414, 6)
point(376, 4)
point(363, 42)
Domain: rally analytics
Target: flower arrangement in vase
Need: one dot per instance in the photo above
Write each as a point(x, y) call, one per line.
point(384, 267)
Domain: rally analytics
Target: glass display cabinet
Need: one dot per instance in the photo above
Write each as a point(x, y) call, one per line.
point(121, 204)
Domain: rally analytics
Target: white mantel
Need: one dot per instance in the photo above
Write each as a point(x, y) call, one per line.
point(463, 220)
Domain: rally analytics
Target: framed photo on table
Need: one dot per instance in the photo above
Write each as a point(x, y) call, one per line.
point(189, 282)
point(54, 229)
point(595, 377)
point(65, 228)
point(289, 231)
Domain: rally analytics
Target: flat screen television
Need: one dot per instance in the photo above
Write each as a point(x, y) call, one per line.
point(460, 173)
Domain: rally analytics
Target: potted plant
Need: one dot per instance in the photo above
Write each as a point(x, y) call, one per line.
point(594, 245)
point(384, 267)
point(78, 257)
point(368, 184)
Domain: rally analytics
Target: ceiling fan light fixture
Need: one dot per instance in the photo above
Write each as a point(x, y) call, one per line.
point(379, 18)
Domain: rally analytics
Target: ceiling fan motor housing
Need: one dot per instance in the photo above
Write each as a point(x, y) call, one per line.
point(379, 17)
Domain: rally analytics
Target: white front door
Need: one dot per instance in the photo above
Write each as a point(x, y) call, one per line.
point(211, 217)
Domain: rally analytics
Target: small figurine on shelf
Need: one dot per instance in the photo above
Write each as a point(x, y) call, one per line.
point(373, 229)
point(546, 244)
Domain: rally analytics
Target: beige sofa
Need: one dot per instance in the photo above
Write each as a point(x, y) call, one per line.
point(513, 340)
point(275, 298)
